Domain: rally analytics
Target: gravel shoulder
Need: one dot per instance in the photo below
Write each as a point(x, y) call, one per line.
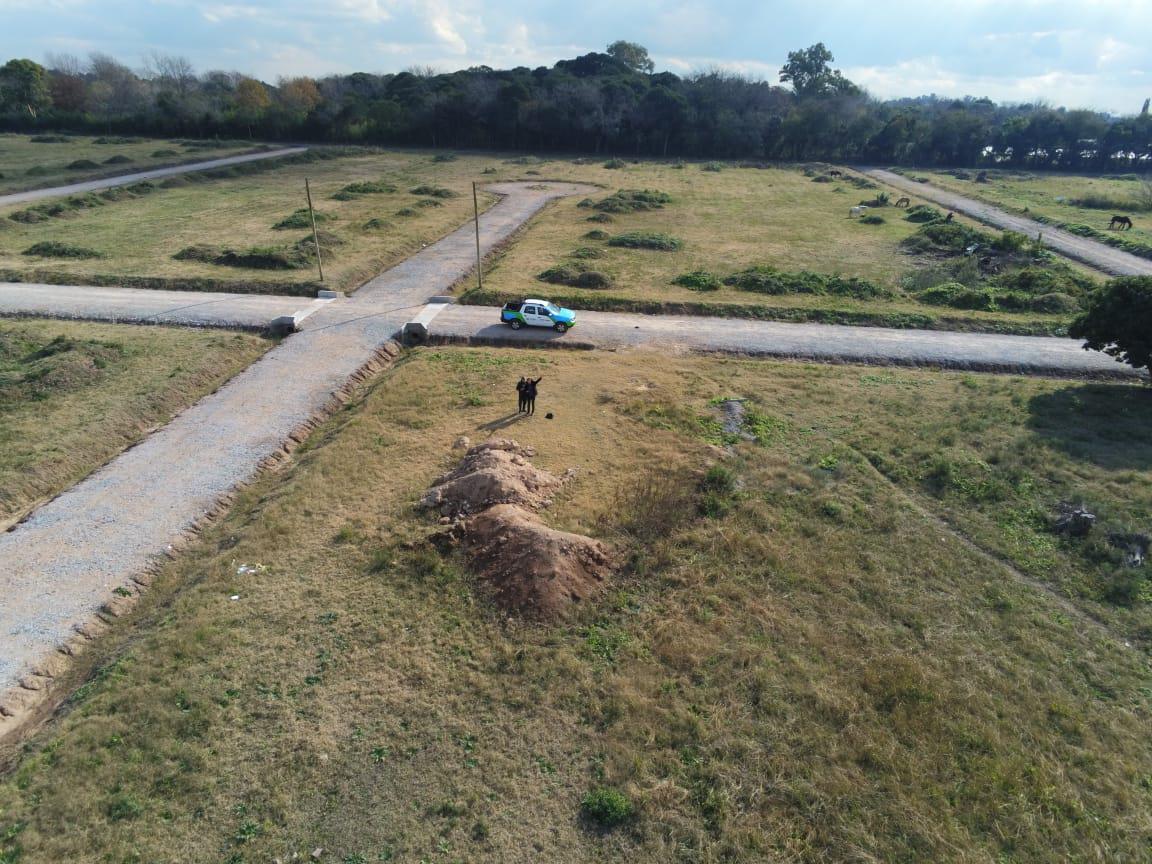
point(154, 174)
point(1112, 261)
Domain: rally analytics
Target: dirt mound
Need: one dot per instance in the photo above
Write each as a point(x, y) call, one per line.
point(532, 569)
point(495, 472)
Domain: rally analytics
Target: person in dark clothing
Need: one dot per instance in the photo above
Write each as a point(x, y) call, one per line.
point(522, 395)
point(530, 393)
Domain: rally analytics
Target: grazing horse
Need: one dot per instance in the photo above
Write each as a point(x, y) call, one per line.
point(948, 218)
point(1122, 223)
point(903, 202)
point(835, 173)
point(858, 210)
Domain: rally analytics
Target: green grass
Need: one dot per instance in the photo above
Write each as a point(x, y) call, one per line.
point(26, 164)
point(73, 395)
point(804, 665)
point(1052, 197)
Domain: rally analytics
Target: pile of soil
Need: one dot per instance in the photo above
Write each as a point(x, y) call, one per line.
point(495, 472)
point(533, 570)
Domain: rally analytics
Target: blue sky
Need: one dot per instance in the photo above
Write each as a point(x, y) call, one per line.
point(1079, 53)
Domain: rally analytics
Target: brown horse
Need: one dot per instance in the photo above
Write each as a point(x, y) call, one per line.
point(1121, 223)
point(903, 202)
point(835, 173)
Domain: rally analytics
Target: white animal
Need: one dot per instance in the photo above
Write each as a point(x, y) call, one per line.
point(858, 210)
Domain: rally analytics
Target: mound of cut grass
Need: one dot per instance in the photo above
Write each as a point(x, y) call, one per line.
point(715, 167)
point(429, 202)
point(434, 191)
point(585, 252)
point(300, 219)
point(119, 159)
point(698, 280)
point(769, 280)
point(871, 219)
point(366, 187)
point(407, 212)
point(646, 240)
point(55, 249)
point(601, 217)
point(164, 154)
point(575, 276)
point(615, 164)
point(49, 139)
point(632, 201)
point(37, 171)
point(82, 165)
point(922, 213)
point(597, 234)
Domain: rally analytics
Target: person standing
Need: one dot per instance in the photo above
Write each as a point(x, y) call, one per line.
point(522, 395)
point(530, 391)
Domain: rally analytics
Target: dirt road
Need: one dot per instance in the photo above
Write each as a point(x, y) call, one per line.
point(1091, 252)
point(154, 174)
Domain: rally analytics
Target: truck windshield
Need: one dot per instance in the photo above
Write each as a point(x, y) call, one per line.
point(552, 307)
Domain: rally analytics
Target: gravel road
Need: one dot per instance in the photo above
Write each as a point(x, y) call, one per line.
point(976, 351)
point(154, 174)
point(68, 557)
point(1083, 249)
point(145, 306)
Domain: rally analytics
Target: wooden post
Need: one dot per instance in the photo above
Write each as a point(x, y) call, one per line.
point(476, 215)
point(315, 236)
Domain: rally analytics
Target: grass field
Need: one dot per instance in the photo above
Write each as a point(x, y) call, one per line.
point(138, 236)
point(29, 164)
point(806, 666)
point(1054, 197)
point(74, 395)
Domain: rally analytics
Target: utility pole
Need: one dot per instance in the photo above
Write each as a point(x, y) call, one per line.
point(476, 216)
point(315, 236)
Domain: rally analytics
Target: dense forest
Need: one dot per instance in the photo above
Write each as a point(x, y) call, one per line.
point(610, 103)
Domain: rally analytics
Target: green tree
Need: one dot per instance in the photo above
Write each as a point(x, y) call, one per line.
point(24, 87)
point(811, 74)
point(634, 56)
point(1118, 321)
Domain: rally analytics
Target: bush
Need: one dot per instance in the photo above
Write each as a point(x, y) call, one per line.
point(1010, 241)
point(119, 159)
point(585, 203)
point(1045, 280)
point(646, 240)
point(1055, 303)
point(958, 296)
point(615, 163)
point(607, 807)
point(712, 166)
point(434, 191)
point(632, 200)
point(871, 219)
point(1118, 321)
point(597, 234)
point(82, 165)
point(54, 249)
point(923, 213)
point(698, 280)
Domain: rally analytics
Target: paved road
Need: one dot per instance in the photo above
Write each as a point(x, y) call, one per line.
point(976, 351)
point(154, 174)
point(66, 559)
point(1089, 251)
point(140, 306)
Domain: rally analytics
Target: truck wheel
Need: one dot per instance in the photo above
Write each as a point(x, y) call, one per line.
point(560, 327)
point(516, 325)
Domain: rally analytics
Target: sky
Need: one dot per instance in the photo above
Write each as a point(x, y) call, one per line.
point(1075, 53)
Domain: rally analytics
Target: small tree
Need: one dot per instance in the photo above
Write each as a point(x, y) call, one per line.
point(1118, 321)
point(634, 56)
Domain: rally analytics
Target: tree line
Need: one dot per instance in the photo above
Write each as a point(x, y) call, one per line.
point(601, 103)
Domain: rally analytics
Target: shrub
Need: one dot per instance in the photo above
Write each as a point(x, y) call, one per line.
point(1118, 321)
point(712, 166)
point(54, 249)
point(646, 240)
point(633, 200)
point(597, 234)
point(1010, 241)
point(607, 807)
point(698, 280)
point(871, 219)
point(434, 191)
point(585, 203)
point(615, 163)
point(82, 165)
point(1055, 303)
point(958, 296)
point(119, 159)
point(1045, 280)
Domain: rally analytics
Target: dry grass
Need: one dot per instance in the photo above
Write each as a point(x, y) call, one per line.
point(817, 674)
point(74, 395)
point(19, 154)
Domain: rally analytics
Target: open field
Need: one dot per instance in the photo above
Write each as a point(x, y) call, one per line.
point(26, 163)
point(74, 395)
point(802, 664)
point(1067, 199)
point(137, 233)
